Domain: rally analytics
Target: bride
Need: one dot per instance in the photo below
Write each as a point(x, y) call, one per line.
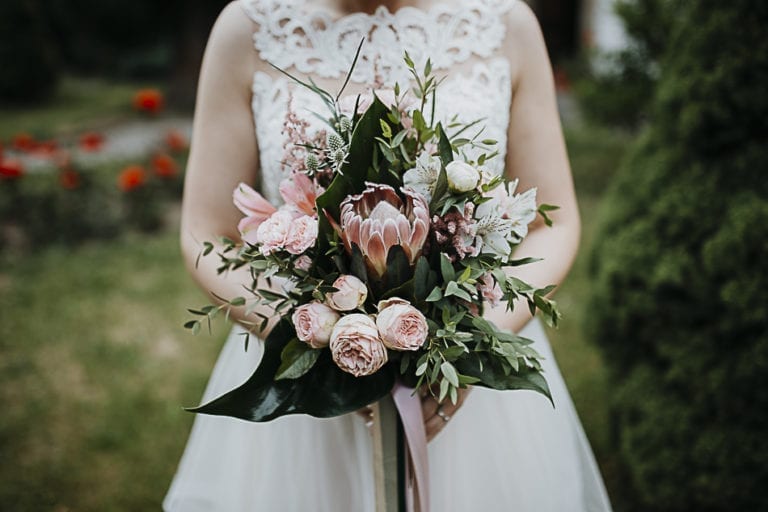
point(492, 450)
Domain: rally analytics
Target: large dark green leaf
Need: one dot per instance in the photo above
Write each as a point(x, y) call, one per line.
point(325, 391)
point(491, 376)
point(399, 269)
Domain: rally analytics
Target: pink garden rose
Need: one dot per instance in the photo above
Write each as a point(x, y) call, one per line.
point(314, 323)
point(401, 326)
point(302, 235)
point(303, 262)
point(356, 347)
point(351, 295)
point(272, 233)
point(490, 290)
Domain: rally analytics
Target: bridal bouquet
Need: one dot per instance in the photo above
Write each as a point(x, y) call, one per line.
point(390, 243)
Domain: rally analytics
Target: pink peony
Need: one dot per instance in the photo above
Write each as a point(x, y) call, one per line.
point(314, 323)
point(302, 235)
point(356, 347)
point(400, 325)
point(351, 295)
point(490, 289)
point(272, 233)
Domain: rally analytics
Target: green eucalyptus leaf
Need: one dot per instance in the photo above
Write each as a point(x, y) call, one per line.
point(482, 366)
point(436, 295)
point(450, 373)
point(297, 359)
point(446, 268)
point(455, 290)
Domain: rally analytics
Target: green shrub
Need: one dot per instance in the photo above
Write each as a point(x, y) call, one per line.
point(680, 298)
point(619, 86)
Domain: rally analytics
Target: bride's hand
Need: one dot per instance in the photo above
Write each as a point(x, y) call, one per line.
point(437, 416)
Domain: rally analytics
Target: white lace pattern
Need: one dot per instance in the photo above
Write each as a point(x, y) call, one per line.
point(462, 41)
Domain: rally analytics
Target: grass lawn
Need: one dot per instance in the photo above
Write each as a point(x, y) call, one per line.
point(94, 363)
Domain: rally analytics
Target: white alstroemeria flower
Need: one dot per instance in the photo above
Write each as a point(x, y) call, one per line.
point(493, 233)
point(518, 209)
point(422, 178)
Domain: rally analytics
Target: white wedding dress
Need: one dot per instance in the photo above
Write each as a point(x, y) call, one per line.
point(503, 451)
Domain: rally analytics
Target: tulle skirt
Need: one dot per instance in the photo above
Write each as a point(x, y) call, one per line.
point(502, 451)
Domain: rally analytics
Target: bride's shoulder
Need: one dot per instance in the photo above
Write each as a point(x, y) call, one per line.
point(230, 43)
point(524, 41)
point(521, 21)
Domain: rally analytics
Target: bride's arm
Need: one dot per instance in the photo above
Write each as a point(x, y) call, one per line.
point(537, 155)
point(223, 152)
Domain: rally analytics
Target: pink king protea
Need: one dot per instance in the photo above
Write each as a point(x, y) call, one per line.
point(378, 219)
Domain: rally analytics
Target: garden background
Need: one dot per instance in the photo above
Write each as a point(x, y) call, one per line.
point(669, 147)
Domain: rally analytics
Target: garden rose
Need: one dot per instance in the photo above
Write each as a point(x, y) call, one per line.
point(400, 325)
point(303, 262)
point(462, 177)
point(271, 233)
point(302, 235)
point(356, 347)
point(351, 295)
point(314, 323)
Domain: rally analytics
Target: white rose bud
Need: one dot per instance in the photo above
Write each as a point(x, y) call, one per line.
point(462, 177)
point(351, 293)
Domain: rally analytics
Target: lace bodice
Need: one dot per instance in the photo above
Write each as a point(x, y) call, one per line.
point(462, 39)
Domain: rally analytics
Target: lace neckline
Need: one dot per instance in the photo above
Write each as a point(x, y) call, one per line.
point(314, 40)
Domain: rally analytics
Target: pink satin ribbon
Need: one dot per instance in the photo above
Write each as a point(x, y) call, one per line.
point(408, 405)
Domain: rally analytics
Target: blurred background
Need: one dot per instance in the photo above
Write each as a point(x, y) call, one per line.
point(665, 340)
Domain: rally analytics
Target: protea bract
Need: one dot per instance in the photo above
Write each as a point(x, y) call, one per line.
point(378, 219)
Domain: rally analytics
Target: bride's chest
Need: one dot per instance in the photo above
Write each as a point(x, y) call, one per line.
point(286, 114)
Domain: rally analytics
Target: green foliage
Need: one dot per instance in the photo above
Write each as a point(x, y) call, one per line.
point(681, 259)
point(619, 87)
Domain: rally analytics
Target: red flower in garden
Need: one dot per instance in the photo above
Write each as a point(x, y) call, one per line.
point(69, 179)
point(131, 178)
point(175, 141)
point(11, 169)
point(24, 142)
point(148, 100)
point(165, 166)
point(91, 142)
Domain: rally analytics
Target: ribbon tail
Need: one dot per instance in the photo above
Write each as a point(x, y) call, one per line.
point(408, 405)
